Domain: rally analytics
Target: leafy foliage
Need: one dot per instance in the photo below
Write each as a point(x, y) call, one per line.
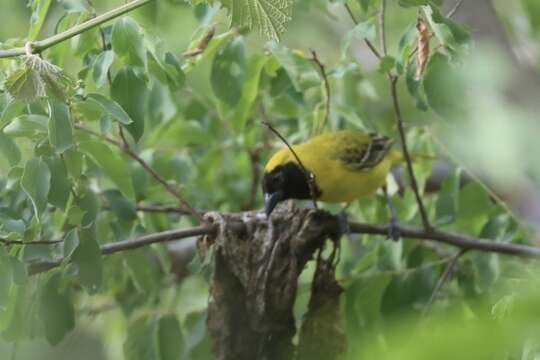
point(87, 163)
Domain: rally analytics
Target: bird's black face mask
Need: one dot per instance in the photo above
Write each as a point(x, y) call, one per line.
point(284, 182)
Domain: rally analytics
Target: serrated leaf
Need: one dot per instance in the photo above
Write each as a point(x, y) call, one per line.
point(101, 67)
point(9, 149)
point(112, 164)
point(25, 85)
point(131, 92)
point(110, 107)
point(269, 17)
point(127, 42)
point(60, 130)
point(56, 311)
point(36, 182)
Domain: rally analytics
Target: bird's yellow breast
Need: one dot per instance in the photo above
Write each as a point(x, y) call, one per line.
point(337, 181)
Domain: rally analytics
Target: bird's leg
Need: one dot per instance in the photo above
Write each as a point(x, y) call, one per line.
point(393, 230)
point(344, 227)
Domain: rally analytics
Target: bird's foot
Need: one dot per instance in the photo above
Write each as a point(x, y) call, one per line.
point(344, 228)
point(393, 229)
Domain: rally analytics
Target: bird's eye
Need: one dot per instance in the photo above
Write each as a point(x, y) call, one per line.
point(278, 179)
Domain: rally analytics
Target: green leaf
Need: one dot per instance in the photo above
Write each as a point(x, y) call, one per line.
point(131, 92)
point(444, 88)
point(532, 10)
point(56, 310)
point(71, 242)
point(459, 32)
point(9, 149)
point(250, 89)
point(127, 42)
point(87, 258)
point(101, 67)
point(269, 17)
point(60, 185)
point(447, 203)
point(474, 206)
point(39, 13)
point(170, 339)
point(113, 165)
point(363, 30)
point(36, 182)
point(5, 279)
point(122, 207)
point(229, 71)
point(25, 85)
point(60, 130)
point(141, 341)
point(411, 3)
point(386, 64)
point(74, 162)
point(12, 109)
point(111, 108)
point(143, 275)
point(27, 126)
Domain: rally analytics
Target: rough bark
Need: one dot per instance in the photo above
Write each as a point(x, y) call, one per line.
point(257, 265)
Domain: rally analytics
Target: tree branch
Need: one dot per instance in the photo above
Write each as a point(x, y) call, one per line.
point(464, 242)
point(128, 151)
point(399, 122)
point(125, 245)
point(382, 32)
point(39, 46)
point(8, 242)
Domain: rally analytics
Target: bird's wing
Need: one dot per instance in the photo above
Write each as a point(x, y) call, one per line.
point(359, 154)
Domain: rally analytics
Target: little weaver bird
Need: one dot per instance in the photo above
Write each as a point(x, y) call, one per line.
point(345, 165)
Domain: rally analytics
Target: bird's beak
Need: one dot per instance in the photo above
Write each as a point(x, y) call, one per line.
point(271, 200)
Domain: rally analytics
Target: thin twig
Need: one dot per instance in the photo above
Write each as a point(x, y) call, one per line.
point(399, 122)
point(452, 12)
point(310, 177)
point(447, 274)
point(382, 32)
point(8, 242)
point(39, 46)
point(366, 40)
point(125, 245)
point(128, 151)
point(462, 241)
point(324, 78)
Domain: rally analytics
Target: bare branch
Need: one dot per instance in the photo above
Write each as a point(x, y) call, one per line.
point(39, 46)
point(447, 274)
point(464, 242)
point(8, 242)
point(324, 77)
point(399, 122)
point(125, 245)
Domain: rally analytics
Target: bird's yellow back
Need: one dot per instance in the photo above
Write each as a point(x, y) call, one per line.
point(335, 158)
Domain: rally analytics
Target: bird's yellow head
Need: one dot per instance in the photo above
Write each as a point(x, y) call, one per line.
point(283, 179)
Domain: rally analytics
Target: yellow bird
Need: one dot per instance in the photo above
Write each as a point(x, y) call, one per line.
point(346, 165)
